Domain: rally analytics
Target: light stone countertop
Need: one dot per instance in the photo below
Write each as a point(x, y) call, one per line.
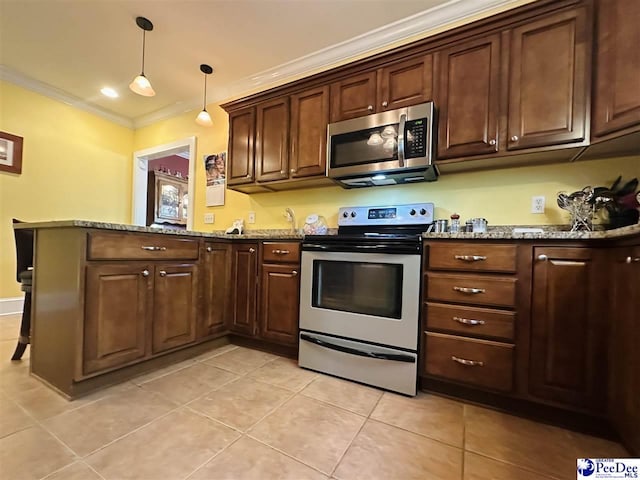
point(550, 232)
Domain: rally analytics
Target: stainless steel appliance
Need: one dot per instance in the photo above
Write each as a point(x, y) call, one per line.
point(387, 148)
point(360, 296)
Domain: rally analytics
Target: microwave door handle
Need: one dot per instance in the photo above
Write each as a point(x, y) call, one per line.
point(403, 119)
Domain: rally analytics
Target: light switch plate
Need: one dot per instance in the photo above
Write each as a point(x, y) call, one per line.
point(209, 218)
point(251, 217)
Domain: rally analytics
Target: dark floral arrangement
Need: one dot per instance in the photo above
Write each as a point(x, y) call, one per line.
point(621, 202)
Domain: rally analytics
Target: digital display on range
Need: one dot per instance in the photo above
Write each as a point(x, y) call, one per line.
point(375, 213)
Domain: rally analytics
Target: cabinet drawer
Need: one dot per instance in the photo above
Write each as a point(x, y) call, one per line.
point(472, 257)
point(470, 321)
point(127, 246)
point(281, 252)
point(472, 289)
point(480, 362)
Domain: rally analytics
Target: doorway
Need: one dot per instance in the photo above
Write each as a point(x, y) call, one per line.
point(185, 148)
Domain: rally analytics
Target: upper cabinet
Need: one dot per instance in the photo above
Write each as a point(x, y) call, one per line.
point(616, 103)
point(272, 140)
point(548, 81)
point(308, 134)
point(468, 98)
point(241, 139)
point(400, 84)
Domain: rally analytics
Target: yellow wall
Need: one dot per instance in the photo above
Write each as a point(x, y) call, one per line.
point(74, 165)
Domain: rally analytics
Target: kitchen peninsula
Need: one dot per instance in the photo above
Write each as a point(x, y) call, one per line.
point(111, 301)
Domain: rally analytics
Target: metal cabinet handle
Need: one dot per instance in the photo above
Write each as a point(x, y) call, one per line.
point(469, 290)
point(294, 273)
point(252, 250)
point(293, 170)
point(209, 249)
point(370, 108)
point(632, 260)
point(153, 248)
point(492, 141)
point(280, 252)
point(542, 257)
point(468, 321)
point(248, 176)
point(145, 273)
point(163, 273)
point(385, 104)
point(470, 258)
point(281, 172)
point(468, 363)
point(514, 138)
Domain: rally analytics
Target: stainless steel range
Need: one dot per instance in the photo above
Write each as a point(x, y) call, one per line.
point(360, 296)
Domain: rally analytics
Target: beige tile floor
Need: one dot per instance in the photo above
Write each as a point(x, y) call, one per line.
point(236, 413)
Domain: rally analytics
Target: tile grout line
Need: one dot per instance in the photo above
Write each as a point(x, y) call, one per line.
point(215, 455)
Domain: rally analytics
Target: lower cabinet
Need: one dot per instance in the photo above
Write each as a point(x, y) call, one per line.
point(568, 357)
point(244, 280)
point(279, 293)
point(117, 316)
point(175, 305)
point(215, 275)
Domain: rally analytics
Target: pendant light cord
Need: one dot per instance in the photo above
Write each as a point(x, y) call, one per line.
point(143, 45)
point(204, 100)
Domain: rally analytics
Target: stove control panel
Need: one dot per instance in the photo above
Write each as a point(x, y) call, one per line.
point(409, 214)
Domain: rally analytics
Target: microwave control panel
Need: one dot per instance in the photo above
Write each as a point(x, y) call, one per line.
point(415, 134)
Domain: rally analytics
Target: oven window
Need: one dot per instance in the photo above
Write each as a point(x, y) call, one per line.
point(358, 287)
point(365, 146)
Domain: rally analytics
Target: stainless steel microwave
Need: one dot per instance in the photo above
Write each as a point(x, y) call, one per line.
point(387, 148)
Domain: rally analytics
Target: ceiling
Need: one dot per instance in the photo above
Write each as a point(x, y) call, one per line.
point(76, 47)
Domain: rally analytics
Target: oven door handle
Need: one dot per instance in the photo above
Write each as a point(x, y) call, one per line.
point(355, 351)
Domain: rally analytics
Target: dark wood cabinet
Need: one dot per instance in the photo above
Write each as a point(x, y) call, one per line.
point(549, 80)
point(241, 146)
point(468, 98)
point(354, 96)
point(244, 279)
point(272, 140)
point(308, 135)
point(406, 83)
point(568, 346)
point(175, 303)
point(624, 365)
point(216, 266)
point(280, 292)
point(118, 305)
point(616, 103)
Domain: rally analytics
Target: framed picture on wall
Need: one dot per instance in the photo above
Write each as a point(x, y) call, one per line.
point(10, 153)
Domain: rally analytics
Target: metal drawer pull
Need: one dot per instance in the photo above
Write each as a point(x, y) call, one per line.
point(632, 260)
point(470, 258)
point(542, 257)
point(163, 273)
point(468, 321)
point(145, 273)
point(294, 273)
point(252, 250)
point(153, 248)
point(280, 252)
point(469, 290)
point(468, 363)
point(209, 249)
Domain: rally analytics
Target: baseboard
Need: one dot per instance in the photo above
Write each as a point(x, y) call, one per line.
point(11, 305)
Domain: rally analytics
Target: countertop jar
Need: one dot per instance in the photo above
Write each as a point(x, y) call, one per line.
point(455, 223)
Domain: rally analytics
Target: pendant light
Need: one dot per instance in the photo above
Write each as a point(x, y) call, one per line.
point(203, 117)
point(141, 84)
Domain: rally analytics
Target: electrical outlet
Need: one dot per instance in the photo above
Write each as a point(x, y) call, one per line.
point(537, 204)
point(251, 217)
point(209, 218)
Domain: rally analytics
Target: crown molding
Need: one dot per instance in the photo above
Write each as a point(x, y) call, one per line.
point(429, 20)
point(21, 80)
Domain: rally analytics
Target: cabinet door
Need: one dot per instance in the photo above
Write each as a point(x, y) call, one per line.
point(309, 119)
point(617, 90)
point(353, 97)
point(280, 289)
point(216, 274)
point(568, 337)
point(406, 83)
point(548, 81)
point(272, 146)
point(169, 201)
point(468, 98)
point(241, 153)
point(624, 382)
point(117, 314)
point(175, 298)
point(244, 277)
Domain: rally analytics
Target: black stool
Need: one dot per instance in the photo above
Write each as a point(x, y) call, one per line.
point(24, 275)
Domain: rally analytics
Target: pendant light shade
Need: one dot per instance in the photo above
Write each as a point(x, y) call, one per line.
point(141, 84)
point(203, 117)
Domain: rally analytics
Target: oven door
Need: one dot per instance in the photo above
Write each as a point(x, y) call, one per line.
point(362, 296)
